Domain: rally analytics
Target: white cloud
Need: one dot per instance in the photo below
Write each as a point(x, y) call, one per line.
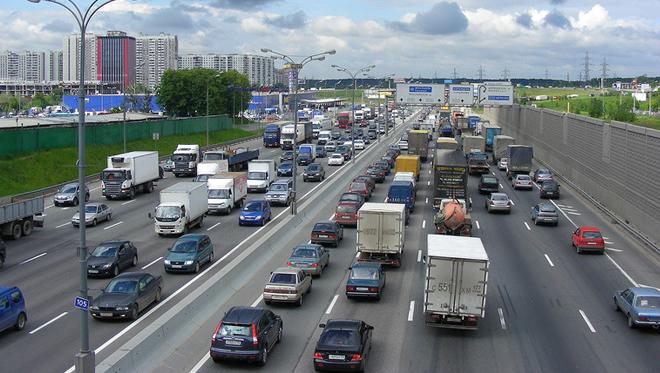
point(252, 24)
point(596, 17)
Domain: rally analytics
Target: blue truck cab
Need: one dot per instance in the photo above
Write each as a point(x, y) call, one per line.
point(272, 134)
point(446, 131)
point(12, 308)
point(402, 192)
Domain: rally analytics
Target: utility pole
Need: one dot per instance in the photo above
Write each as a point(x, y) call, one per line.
point(481, 73)
point(602, 81)
point(586, 67)
point(505, 73)
point(454, 75)
point(547, 75)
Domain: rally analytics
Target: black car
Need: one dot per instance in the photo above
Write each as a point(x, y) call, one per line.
point(372, 134)
point(376, 173)
point(335, 135)
point(383, 166)
point(3, 252)
point(110, 257)
point(246, 333)
point(314, 172)
point(344, 345)
point(286, 156)
point(327, 232)
point(345, 151)
point(127, 295)
point(304, 159)
point(285, 169)
point(488, 184)
point(549, 189)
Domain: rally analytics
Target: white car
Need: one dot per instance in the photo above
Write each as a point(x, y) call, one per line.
point(501, 165)
point(403, 145)
point(522, 181)
point(359, 145)
point(336, 159)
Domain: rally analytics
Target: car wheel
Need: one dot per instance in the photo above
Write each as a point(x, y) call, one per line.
point(197, 267)
point(616, 306)
point(279, 334)
point(109, 217)
point(158, 296)
point(631, 323)
point(75, 201)
point(134, 312)
point(135, 261)
point(115, 271)
point(94, 222)
point(264, 356)
point(20, 321)
point(300, 300)
point(211, 257)
point(56, 204)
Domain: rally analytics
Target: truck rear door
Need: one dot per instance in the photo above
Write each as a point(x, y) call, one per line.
point(439, 285)
point(390, 238)
point(368, 232)
point(470, 287)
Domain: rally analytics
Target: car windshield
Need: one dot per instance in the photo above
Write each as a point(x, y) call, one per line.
point(252, 207)
point(286, 165)
point(648, 302)
point(184, 157)
point(544, 172)
point(346, 208)
point(90, 209)
point(233, 330)
point(304, 252)
point(324, 227)
point(219, 193)
point(256, 175)
point(591, 234)
point(523, 177)
point(364, 273)
point(283, 278)
point(337, 156)
point(68, 189)
point(350, 197)
point(186, 246)
point(358, 186)
point(168, 212)
point(105, 251)
point(113, 175)
point(490, 180)
point(279, 187)
point(499, 197)
point(548, 208)
point(339, 337)
point(122, 286)
point(313, 167)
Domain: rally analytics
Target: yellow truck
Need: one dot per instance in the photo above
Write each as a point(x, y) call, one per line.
point(408, 163)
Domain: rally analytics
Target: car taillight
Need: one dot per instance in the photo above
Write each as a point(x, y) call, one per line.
point(215, 332)
point(315, 265)
point(356, 357)
point(317, 355)
point(643, 318)
point(350, 288)
point(332, 236)
point(255, 339)
point(373, 289)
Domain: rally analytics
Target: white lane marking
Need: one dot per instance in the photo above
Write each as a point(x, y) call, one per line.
point(609, 242)
point(61, 225)
point(647, 286)
point(97, 188)
point(419, 256)
point(586, 320)
point(411, 310)
point(49, 206)
point(549, 261)
point(635, 284)
point(568, 206)
point(477, 223)
point(65, 208)
point(607, 238)
point(563, 213)
point(49, 322)
point(573, 213)
point(502, 322)
point(493, 172)
point(127, 202)
point(512, 203)
point(199, 364)
point(427, 200)
point(153, 262)
point(613, 249)
point(112, 226)
point(33, 258)
point(257, 301)
point(213, 226)
point(428, 183)
point(501, 186)
point(424, 224)
point(527, 226)
point(470, 200)
point(332, 304)
point(385, 200)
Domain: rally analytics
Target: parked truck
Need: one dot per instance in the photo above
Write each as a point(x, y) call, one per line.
point(381, 233)
point(303, 135)
point(227, 191)
point(520, 160)
point(18, 218)
point(500, 144)
point(418, 143)
point(453, 218)
point(473, 143)
point(272, 133)
point(450, 176)
point(128, 173)
point(261, 173)
point(232, 159)
point(455, 282)
point(185, 159)
point(182, 207)
point(408, 163)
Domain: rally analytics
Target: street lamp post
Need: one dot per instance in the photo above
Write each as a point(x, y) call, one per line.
point(296, 67)
point(353, 75)
point(124, 107)
point(207, 107)
point(84, 360)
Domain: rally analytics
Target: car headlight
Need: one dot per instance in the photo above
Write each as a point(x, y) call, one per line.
point(122, 308)
point(94, 308)
point(107, 266)
point(167, 262)
point(258, 217)
point(242, 217)
point(188, 262)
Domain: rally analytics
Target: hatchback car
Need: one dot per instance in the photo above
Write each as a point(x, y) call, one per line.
point(346, 213)
point(287, 285)
point(256, 212)
point(502, 164)
point(545, 213)
point(588, 239)
point(344, 345)
point(314, 172)
point(641, 306)
point(189, 253)
point(522, 182)
point(246, 333)
point(376, 173)
point(542, 174)
point(321, 152)
point(285, 169)
point(488, 184)
point(361, 188)
point(327, 232)
point(335, 135)
point(94, 213)
point(12, 308)
point(549, 189)
point(68, 195)
point(126, 296)
point(389, 159)
point(335, 159)
point(110, 257)
point(365, 280)
point(498, 202)
point(287, 155)
point(330, 146)
point(371, 183)
point(311, 258)
point(168, 165)
point(352, 197)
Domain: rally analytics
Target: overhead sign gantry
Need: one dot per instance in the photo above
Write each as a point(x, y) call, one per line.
point(475, 94)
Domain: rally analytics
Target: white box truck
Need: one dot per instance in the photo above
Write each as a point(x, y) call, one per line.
point(185, 159)
point(500, 145)
point(227, 191)
point(207, 169)
point(129, 173)
point(456, 281)
point(261, 174)
point(381, 229)
point(182, 206)
point(473, 144)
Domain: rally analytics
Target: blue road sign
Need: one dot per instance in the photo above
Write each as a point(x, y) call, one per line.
point(448, 81)
point(81, 303)
point(420, 89)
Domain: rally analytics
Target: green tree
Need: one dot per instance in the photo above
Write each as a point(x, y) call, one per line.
point(55, 96)
point(595, 108)
point(39, 100)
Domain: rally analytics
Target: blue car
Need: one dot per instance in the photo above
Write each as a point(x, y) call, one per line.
point(285, 169)
point(321, 152)
point(188, 253)
point(365, 280)
point(255, 213)
point(640, 305)
point(12, 308)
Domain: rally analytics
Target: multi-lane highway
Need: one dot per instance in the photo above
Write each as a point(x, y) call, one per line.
point(548, 308)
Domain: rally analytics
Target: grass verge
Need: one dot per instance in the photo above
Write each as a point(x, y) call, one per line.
point(50, 167)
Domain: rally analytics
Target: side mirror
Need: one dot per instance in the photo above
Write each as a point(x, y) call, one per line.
point(370, 327)
point(321, 325)
point(150, 215)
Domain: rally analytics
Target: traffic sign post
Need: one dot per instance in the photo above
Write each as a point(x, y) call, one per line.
point(420, 94)
point(461, 95)
point(81, 303)
point(495, 94)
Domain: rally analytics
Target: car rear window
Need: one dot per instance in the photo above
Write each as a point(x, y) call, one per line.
point(339, 337)
point(304, 252)
point(346, 208)
point(324, 227)
point(548, 208)
point(364, 273)
point(490, 180)
point(648, 302)
point(237, 330)
point(358, 186)
point(523, 177)
point(590, 234)
point(283, 278)
point(499, 197)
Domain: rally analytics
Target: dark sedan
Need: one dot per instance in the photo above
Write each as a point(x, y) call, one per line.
point(345, 151)
point(327, 232)
point(314, 172)
point(344, 345)
point(109, 258)
point(285, 169)
point(127, 295)
point(549, 189)
point(488, 184)
point(365, 280)
point(383, 165)
point(371, 183)
point(286, 156)
point(321, 152)
point(377, 173)
point(304, 159)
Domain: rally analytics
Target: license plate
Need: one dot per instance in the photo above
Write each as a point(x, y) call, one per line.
point(106, 314)
point(454, 319)
point(362, 289)
point(591, 243)
point(336, 357)
point(176, 266)
point(279, 297)
point(323, 236)
point(345, 217)
point(92, 271)
point(233, 343)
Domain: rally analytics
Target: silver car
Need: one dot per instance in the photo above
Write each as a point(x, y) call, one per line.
point(280, 192)
point(287, 285)
point(94, 213)
point(498, 202)
point(522, 182)
point(545, 213)
point(68, 195)
point(501, 165)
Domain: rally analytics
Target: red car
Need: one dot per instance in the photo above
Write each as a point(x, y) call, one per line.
point(371, 183)
point(588, 239)
point(361, 188)
point(346, 213)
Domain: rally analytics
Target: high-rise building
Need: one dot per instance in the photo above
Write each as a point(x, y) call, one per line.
point(31, 66)
point(53, 66)
point(259, 69)
point(71, 58)
point(8, 66)
point(154, 55)
point(115, 58)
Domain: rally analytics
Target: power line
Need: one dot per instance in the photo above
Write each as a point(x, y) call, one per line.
point(603, 73)
point(547, 75)
point(505, 73)
point(454, 75)
point(586, 67)
point(481, 72)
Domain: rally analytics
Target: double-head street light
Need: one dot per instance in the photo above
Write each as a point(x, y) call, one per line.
point(353, 75)
point(296, 67)
point(84, 360)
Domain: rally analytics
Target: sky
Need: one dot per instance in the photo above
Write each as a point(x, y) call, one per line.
point(408, 38)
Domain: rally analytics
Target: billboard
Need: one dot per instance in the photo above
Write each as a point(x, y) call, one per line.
point(461, 95)
point(420, 94)
point(495, 93)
